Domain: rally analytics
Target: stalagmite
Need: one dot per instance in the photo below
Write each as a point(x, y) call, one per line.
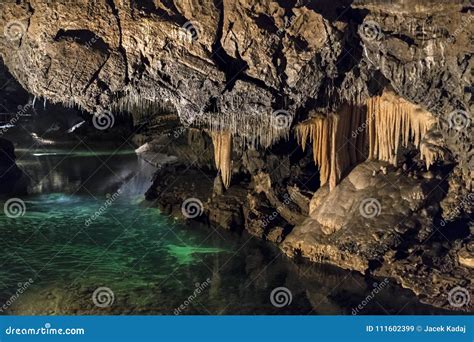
point(222, 142)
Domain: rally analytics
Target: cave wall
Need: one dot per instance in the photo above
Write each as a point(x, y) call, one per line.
point(253, 69)
point(247, 73)
point(239, 64)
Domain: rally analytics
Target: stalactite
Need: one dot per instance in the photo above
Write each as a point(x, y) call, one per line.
point(257, 129)
point(316, 130)
point(394, 122)
point(336, 147)
point(222, 142)
point(341, 140)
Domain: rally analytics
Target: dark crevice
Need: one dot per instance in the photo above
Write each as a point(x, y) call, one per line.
point(140, 68)
point(301, 45)
point(121, 48)
point(334, 10)
point(212, 106)
point(232, 67)
point(95, 76)
point(266, 23)
point(83, 37)
point(177, 17)
point(410, 41)
point(148, 7)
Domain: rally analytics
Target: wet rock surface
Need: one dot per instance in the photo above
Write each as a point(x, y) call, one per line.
point(380, 219)
point(230, 66)
point(233, 59)
point(363, 218)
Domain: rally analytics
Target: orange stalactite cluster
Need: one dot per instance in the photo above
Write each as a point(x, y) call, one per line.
point(341, 140)
point(335, 146)
point(396, 122)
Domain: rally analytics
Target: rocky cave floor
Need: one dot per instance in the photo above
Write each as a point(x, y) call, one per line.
point(398, 233)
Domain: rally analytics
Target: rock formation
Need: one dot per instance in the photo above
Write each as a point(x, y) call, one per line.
point(222, 142)
point(312, 107)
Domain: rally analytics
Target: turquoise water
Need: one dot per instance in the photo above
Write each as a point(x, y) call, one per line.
point(79, 234)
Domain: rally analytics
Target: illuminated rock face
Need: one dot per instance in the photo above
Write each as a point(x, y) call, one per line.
point(360, 81)
point(377, 131)
point(231, 65)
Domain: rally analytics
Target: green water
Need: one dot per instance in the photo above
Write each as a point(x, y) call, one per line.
point(151, 263)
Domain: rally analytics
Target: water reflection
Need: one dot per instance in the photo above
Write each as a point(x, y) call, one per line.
point(152, 263)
